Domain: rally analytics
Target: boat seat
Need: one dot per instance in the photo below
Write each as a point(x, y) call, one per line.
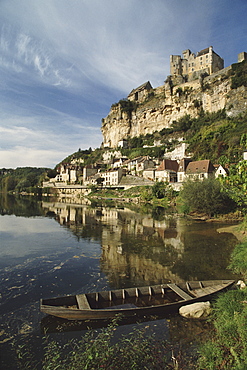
point(83, 302)
point(179, 291)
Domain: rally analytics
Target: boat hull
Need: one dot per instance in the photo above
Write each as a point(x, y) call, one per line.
point(96, 306)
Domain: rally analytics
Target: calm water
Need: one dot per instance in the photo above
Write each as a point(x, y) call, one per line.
point(50, 248)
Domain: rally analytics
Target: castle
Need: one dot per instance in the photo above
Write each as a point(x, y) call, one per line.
point(191, 65)
point(196, 82)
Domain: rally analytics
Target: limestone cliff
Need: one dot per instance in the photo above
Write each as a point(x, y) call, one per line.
point(168, 103)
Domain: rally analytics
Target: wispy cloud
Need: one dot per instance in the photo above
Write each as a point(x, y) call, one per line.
point(63, 63)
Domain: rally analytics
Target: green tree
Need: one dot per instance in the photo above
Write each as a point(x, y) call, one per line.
point(205, 196)
point(236, 184)
point(160, 189)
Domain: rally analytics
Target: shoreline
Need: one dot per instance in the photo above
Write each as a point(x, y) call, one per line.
point(241, 235)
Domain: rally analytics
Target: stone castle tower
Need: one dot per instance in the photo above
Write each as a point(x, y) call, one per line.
point(190, 65)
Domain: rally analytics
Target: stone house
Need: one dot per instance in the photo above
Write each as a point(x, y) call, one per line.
point(141, 92)
point(68, 173)
point(167, 171)
point(139, 164)
point(200, 169)
point(88, 171)
point(119, 162)
point(123, 143)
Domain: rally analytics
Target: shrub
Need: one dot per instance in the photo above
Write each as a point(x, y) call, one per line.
point(205, 196)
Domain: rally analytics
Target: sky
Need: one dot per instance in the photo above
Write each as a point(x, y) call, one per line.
point(63, 63)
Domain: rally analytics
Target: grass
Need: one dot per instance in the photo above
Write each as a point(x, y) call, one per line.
point(100, 351)
point(227, 349)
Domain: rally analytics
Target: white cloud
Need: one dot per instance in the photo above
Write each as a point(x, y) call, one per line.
point(63, 63)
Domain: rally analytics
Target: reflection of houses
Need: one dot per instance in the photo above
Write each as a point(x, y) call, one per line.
point(167, 171)
point(200, 169)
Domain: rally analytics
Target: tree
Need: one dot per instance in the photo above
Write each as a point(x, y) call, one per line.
point(206, 196)
point(159, 189)
point(235, 184)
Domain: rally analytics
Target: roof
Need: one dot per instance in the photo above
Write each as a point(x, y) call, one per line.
point(204, 166)
point(147, 85)
point(203, 52)
point(168, 165)
point(183, 164)
point(206, 51)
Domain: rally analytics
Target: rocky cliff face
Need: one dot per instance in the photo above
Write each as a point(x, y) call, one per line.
point(167, 104)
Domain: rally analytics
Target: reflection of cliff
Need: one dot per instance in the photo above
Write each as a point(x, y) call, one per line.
point(136, 249)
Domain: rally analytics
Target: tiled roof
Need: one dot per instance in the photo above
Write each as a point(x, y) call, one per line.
point(169, 165)
point(146, 85)
point(204, 166)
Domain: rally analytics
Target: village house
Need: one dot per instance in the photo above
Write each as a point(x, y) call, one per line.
point(220, 171)
point(112, 177)
point(167, 171)
point(68, 173)
point(200, 169)
point(182, 165)
point(139, 164)
point(88, 171)
point(119, 162)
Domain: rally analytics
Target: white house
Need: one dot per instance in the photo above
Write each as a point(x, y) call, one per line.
point(220, 171)
point(112, 177)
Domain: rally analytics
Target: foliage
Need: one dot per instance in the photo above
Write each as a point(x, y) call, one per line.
point(239, 74)
point(87, 156)
point(160, 189)
point(22, 179)
point(214, 136)
point(238, 262)
point(205, 196)
point(236, 184)
point(228, 348)
point(136, 350)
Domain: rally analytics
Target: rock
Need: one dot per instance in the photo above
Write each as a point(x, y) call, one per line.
point(241, 284)
point(199, 310)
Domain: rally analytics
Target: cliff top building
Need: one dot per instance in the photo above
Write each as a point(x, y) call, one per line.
point(190, 65)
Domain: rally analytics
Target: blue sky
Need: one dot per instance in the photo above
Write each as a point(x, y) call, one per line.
point(64, 62)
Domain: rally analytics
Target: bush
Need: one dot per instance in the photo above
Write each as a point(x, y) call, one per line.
point(205, 196)
point(159, 189)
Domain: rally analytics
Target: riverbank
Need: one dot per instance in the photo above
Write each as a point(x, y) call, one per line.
point(236, 230)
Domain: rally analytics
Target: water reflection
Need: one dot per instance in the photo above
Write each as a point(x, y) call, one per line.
point(51, 248)
point(139, 250)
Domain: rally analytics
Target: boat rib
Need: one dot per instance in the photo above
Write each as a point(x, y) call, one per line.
point(179, 291)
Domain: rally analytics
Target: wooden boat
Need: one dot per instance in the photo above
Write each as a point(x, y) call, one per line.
point(149, 300)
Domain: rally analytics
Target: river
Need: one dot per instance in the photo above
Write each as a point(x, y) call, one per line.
point(49, 248)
